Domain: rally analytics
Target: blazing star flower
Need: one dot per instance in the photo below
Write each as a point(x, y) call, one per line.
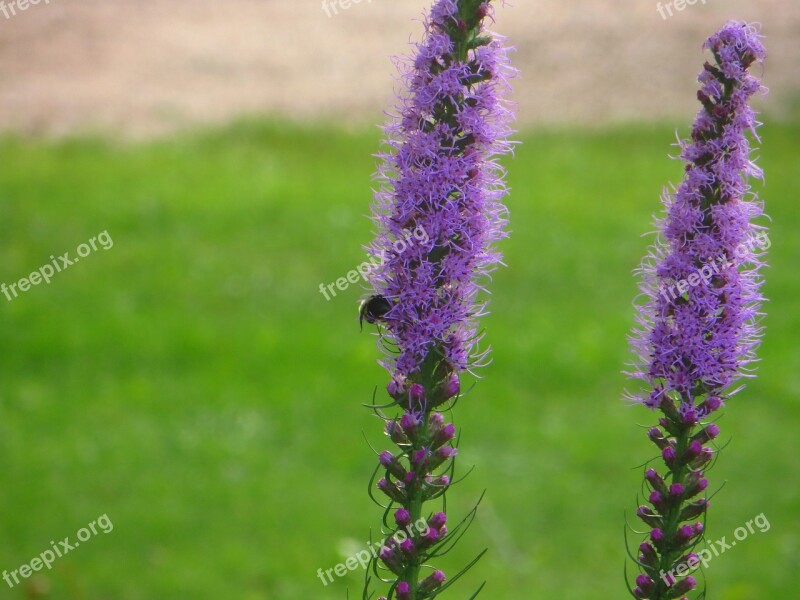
point(698, 326)
point(439, 176)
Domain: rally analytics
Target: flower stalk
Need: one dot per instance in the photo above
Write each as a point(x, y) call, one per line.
point(696, 340)
point(439, 175)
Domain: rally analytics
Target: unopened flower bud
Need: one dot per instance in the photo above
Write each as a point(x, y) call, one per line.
point(391, 490)
point(437, 520)
point(657, 437)
point(402, 517)
point(407, 546)
point(432, 582)
point(705, 455)
point(669, 456)
point(657, 500)
point(444, 435)
point(410, 424)
point(694, 509)
point(396, 433)
point(648, 555)
point(644, 582)
point(709, 433)
point(391, 560)
point(390, 462)
point(403, 590)
point(682, 587)
point(655, 480)
point(646, 514)
point(692, 451)
point(657, 536)
point(435, 422)
point(676, 491)
point(441, 455)
point(684, 534)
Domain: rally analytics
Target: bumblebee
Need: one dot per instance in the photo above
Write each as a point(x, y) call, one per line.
point(372, 310)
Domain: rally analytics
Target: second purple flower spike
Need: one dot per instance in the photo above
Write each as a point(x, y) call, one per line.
point(698, 325)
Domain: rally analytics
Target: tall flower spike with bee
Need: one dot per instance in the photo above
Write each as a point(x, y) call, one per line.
point(698, 325)
point(439, 175)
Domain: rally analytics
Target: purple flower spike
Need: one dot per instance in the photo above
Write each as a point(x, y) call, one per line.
point(438, 214)
point(698, 325)
point(439, 180)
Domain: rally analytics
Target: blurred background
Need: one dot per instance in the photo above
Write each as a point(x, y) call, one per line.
point(192, 384)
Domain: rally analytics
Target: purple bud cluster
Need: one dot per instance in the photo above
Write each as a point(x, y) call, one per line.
point(419, 470)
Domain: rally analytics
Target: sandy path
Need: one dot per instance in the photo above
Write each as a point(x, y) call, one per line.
point(150, 66)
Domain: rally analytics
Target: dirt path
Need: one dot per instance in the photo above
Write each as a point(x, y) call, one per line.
point(148, 67)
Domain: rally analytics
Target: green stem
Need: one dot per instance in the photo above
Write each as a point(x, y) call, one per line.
point(433, 370)
point(415, 510)
point(672, 518)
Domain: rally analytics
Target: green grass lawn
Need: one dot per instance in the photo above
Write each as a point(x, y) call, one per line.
point(194, 385)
